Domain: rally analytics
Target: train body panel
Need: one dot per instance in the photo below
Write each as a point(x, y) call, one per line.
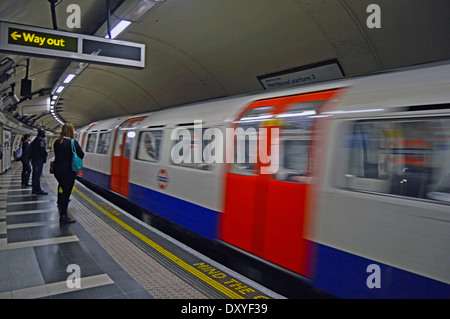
point(358, 194)
point(362, 217)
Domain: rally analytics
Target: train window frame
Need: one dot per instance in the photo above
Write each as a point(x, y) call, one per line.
point(248, 120)
point(435, 176)
point(88, 145)
point(140, 149)
point(299, 120)
point(103, 150)
point(203, 166)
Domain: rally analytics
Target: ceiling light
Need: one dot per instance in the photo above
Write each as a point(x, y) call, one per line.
point(69, 78)
point(119, 28)
point(139, 9)
point(60, 89)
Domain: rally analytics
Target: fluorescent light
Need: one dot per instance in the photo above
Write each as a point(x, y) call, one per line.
point(60, 89)
point(69, 78)
point(304, 113)
point(354, 111)
point(54, 97)
point(52, 102)
point(119, 28)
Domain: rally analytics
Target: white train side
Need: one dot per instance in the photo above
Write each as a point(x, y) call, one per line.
point(360, 200)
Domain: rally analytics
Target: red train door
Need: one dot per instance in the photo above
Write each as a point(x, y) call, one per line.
point(245, 187)
point(265, 214)
point(120, 164)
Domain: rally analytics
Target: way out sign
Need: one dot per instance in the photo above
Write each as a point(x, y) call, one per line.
point(34, 41)
point(42, 40)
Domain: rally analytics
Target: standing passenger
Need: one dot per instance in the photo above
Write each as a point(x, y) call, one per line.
point(25, 159)
point(38, 158)
point(63, 169)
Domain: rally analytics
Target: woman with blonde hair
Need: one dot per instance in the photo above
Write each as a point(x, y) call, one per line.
point(63, 169)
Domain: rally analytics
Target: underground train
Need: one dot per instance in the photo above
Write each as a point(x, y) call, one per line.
point(345, 183)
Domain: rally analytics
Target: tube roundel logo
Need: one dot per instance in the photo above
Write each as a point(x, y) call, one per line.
point(162, 179)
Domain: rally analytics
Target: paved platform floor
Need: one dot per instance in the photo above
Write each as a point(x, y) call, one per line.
point(106, 254)
point(36, 251)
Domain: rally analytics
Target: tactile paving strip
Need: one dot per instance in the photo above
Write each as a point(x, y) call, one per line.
point(156, 279)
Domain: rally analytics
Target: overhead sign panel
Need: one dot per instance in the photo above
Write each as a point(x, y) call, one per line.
point(324, 71)
point(42, 40)
point(29, 40)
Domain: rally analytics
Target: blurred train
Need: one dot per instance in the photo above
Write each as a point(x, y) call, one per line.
point(358, 198)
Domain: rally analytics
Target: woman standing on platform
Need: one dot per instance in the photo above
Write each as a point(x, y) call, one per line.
point(63, 169)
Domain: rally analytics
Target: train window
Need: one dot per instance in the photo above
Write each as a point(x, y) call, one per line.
point(149, 146)
point(295, 141)
point(246, 145)
point(195, 157)
point(128, 143)
point(92, 138)
point(104, 141)
point(409, 157)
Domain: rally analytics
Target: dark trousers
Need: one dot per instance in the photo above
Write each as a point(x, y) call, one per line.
point(26, 172)
point(64, 190)
point(37, 173)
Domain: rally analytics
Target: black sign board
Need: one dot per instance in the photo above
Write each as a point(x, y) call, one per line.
point(29, 40)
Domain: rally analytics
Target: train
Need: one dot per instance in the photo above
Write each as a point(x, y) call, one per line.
point(345, 183)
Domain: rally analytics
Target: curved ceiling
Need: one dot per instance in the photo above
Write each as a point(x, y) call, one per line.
point(204, 49)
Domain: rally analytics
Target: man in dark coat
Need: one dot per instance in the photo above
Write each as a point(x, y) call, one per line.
point(38, 158)
point(25, 159)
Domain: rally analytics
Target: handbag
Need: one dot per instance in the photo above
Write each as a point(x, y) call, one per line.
point(52, 167)
point(18, 153)
point(77, 163)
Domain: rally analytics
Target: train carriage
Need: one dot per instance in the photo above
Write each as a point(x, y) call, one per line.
point(345, 183)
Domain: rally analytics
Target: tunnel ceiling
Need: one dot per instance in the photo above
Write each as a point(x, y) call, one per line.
point(205, 49)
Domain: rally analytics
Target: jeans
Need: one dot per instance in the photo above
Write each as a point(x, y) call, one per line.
point(26, 172)
point(37, 173)
point(65, 185)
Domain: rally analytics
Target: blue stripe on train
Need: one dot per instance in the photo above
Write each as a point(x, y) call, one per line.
point(97, 178)
point(345, 275)
point(198, 219)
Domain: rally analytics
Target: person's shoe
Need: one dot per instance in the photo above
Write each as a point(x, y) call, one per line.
point(41, 193)
point(66, 220)
point(26, 185)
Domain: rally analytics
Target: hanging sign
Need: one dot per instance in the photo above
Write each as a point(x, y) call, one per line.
point(318, 72)
point(29, 40)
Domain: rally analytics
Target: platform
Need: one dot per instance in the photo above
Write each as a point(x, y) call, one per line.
point(117, 255)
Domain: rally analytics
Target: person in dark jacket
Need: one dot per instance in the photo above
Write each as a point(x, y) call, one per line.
point(63, 169)
point(25, 159)
point(38, 158)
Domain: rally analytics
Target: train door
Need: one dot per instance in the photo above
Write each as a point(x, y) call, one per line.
point(264, 214)
point(245, 186)
point(120, 165)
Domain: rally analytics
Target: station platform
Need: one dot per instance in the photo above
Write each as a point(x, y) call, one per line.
point(106, 254)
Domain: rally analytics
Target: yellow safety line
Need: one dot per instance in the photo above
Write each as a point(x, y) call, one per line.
point(165, 252)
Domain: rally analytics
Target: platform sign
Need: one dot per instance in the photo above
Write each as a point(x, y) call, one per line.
point(318, 72)
point(29, 40)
